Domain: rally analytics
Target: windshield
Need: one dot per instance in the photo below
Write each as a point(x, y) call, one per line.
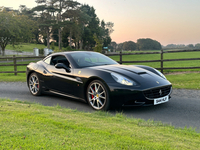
point(89, 59)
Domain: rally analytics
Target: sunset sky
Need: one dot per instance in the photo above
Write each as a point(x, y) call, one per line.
point(167, 21)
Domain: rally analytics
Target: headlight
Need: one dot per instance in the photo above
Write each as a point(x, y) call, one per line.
point(123, 80)
point(160, 74)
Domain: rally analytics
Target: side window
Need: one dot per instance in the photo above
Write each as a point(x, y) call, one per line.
point(59, 59)
point(47, 60)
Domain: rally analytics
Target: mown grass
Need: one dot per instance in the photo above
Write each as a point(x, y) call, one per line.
point(10, 77)
point(185, 80)
point(28, 47)
point(31, 126)
point(25, 47)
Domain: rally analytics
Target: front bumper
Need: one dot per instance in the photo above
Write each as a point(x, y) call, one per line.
point(121, 96)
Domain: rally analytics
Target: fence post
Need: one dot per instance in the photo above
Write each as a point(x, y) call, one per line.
point(120, 57)
point(15, 64)
point(161, 60)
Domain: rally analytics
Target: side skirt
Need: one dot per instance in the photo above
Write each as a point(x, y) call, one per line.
point(66, 95)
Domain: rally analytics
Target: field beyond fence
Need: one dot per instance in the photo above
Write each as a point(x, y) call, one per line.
point(178, 60)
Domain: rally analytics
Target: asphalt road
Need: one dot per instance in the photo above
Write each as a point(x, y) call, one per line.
point(183, 110)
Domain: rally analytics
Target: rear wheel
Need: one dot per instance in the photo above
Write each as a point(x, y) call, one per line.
point(98, 96)
point(34, 85)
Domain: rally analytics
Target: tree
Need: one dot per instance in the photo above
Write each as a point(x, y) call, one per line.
point(65, 10)
point(190, 46)
point(175, 46)
point(93, 26)
point(23, 10)
point(98, 46)
point(120, 46)
point(130, 45)
point(114, 45)
point(80, 21)
point(45, 14)
point(65, 35)
point(197, 45)
point(148, 44)
point(14, 28)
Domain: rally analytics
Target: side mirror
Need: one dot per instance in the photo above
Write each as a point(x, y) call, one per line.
point(62, 66)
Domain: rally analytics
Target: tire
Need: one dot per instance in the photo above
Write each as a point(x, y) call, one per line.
point(34, 85)
point(98, 96)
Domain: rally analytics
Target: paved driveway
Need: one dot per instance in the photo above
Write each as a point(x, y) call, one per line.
point(182, 110)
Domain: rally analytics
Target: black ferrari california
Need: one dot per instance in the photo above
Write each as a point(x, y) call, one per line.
point(98, 80)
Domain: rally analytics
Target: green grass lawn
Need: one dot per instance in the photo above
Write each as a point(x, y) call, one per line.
point(25, 47)
point(28, 47)
point(10, 77)
point(185, 80)
point(26, 125)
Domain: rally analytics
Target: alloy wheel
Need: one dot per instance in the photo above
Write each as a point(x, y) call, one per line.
point(97, 95)
point(34, 84)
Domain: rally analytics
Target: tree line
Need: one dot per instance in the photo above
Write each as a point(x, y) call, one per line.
point(141, 44)
point(183, 46)
point(65, 23)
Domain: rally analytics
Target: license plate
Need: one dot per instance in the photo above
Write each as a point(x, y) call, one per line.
point(161, 100)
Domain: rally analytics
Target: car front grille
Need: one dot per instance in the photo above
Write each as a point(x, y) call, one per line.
point(157, 92)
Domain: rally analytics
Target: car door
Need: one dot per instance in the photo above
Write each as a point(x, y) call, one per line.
point(59, 80)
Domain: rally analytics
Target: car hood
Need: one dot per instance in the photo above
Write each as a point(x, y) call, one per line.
point(137, 74)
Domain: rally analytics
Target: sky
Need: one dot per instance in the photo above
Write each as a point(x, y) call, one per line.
point(167, 21)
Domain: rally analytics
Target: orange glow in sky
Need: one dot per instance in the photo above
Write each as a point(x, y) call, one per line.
point(167, 21)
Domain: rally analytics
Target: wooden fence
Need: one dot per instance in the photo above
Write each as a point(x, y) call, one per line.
point(161, 60)
point(14, 59)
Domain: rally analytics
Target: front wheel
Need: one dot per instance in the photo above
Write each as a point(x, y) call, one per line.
point(34, 85)
point(98, 96)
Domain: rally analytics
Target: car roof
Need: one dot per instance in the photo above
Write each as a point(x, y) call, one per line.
point(71, 52)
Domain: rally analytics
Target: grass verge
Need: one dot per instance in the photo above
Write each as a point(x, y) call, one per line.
point(26, 125)
point(185, 80)
point(10, 77)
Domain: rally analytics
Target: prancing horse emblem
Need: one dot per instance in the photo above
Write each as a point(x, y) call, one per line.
point(160, 92)
point(157, 82)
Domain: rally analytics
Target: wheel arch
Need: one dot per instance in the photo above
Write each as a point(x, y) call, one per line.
point(28, 75)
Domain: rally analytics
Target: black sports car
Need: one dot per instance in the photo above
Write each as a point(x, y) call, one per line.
point(98, 80)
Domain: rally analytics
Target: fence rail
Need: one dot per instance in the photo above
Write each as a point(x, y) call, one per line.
point(14, 59)
point(161, 60)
